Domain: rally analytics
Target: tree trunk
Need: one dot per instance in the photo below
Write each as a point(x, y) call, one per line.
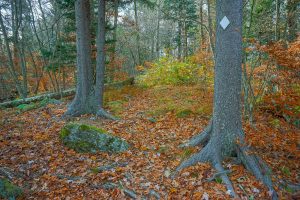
point(251, 18)
point(89, 97)
point(11, 67)
point(114, 53)
point(84, 99)
point(224, 136)
point(292, 19)
point(277, 29)
point(137, 33)
point(100, 42)
point(211, 42)
point(179, 44)
point(157, 31)
point(201, 21)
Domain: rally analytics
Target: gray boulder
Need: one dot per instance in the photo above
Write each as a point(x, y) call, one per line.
point(85, 138)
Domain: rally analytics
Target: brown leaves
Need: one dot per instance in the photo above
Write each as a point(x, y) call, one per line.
point(50, 170)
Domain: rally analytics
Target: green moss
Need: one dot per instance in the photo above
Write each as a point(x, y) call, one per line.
point(116, 106)
point(95, 170)
point(64, 133)
point(286, 171)
point(186, 153)
point(184, 113)
point(163, 149)
point(85, 138)
point(80, 146)
point(275, 123)
point(9, 190)
point(218, 180)
point(84, 127)
point(26, 107)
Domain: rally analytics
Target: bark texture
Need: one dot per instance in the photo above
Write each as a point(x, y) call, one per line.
point(89, 96)
point(83, 101)
point(224, 136)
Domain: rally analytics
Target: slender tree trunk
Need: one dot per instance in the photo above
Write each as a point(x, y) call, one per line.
point(211, 42)
point(40, 44)
point(277, 23)
point(157, 31)
point(179, 44)
point(251, 17)
point(137, 33)
point(11, 67)
point(201, 21)
point(114, 53)
point(292, 19)
point(153, 46)
point(185, 41)
point(45, 23)
point(224, 136)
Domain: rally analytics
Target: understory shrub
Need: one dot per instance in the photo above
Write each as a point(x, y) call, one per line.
point(170, 71)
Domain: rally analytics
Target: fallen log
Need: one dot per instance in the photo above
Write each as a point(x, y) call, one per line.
point(59, 95)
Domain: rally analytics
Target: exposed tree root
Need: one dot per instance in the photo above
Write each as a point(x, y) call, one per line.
point(102, 113)
point(199, 139)
point(210, 154)
point(218, 174)
point(258, 167)
point(225, 179)
point(202, 156)
point(71, 112)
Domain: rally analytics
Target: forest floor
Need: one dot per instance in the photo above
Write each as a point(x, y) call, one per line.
point(154, 121)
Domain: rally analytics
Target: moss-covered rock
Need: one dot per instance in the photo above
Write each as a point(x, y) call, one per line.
point(85, 138)
point(9, 190)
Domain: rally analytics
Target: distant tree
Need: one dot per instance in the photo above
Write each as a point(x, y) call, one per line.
point(292, 18)
point(224, 136)
point(184, 13)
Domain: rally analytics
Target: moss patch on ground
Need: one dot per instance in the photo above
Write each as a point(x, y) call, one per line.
point(9, 190)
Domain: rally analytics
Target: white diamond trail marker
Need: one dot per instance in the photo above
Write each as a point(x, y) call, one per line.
point(224, 22)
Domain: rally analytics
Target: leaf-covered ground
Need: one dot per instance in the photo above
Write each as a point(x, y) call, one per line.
point(154, 121)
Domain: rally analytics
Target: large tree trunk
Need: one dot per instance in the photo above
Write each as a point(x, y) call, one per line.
point(224, 136)
point(84, 98)
point(89, 97)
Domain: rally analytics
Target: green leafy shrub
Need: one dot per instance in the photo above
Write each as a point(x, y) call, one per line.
point(169, 71)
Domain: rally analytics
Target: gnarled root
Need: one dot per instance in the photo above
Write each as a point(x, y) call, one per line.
point(209, 154)
point(257, 167)
point(102, 113)
point(199, 139)
point(75, 111)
